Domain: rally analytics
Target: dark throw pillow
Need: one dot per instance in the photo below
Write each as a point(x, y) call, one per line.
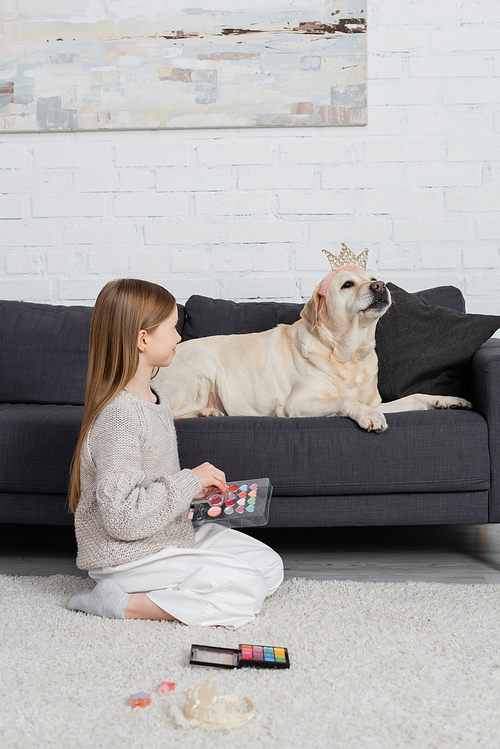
point(423, 348)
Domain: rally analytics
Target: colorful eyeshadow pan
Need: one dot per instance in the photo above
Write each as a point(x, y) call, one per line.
point(233, 488)
point(214, 511)
point(252, 494)
point(254, 486)
point(229, 511)
point(265, 656)
point(257, 656)
point(251, 508)
point(242, 495)
point(240, 510)
point(243, 487)
point(216, 500)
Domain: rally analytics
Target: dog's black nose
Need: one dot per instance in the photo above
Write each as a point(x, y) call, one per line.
point(378, 286)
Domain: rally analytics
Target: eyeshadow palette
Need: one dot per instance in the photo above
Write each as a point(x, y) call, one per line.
point(243, 504)
point(255, 656)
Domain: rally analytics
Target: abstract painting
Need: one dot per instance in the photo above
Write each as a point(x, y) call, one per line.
point(150, 64)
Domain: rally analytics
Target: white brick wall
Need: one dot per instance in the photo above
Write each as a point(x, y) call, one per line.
point(244, 214)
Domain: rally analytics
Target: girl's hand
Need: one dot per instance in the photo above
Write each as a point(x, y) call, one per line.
point(209, 475)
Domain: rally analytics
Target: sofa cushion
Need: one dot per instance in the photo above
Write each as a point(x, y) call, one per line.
point(422, 451)
point(424, 348)
point(206, 316)
point(302, 457)
point(37, 443)
point(445, 296)
point(45, 352)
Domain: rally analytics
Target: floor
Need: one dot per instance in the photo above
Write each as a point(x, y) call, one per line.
point(446, 554)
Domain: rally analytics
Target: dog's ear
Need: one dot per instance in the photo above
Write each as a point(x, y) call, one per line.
point(311, 310)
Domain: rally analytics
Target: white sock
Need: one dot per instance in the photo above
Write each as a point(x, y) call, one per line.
point(106, 599)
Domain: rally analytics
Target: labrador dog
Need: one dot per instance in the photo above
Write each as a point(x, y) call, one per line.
point(323, 365)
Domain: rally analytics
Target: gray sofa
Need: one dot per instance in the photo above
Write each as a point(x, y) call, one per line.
point(433, 467)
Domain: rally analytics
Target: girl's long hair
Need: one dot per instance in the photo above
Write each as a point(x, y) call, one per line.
point(122, 309)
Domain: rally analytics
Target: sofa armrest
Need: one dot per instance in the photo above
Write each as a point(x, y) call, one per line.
point(485, 397)
point(485, 380)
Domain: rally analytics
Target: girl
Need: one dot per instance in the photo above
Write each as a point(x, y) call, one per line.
point(130, 496)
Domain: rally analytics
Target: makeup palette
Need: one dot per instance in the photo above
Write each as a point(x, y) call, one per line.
point(255, 656)
point(243, 504)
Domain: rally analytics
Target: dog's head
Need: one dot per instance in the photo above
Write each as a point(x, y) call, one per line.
point(345, 295)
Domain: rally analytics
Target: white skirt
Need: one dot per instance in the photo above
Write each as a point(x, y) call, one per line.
point(222, 580)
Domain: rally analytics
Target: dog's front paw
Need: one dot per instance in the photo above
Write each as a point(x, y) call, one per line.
point(372, 421)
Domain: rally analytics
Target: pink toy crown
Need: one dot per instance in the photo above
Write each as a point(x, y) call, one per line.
point(345, 260)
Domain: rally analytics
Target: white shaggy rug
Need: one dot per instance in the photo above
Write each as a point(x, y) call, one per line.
point(375, 665)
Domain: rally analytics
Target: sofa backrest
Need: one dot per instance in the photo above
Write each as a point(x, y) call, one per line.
point(206, 316)
point(45, 347)
point(45, 352)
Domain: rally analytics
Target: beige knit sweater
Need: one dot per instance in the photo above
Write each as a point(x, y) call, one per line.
point(134, 497)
